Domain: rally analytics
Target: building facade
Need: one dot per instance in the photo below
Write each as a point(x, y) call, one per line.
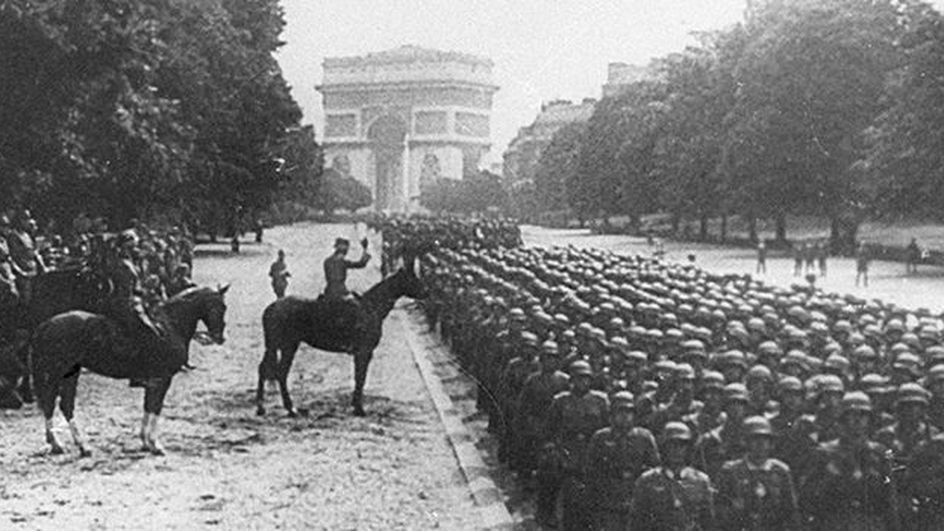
point(401, 118)
point(520, 159)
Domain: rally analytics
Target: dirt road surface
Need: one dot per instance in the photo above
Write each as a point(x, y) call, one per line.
point(227, 468)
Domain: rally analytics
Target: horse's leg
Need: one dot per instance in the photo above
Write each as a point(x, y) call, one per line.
point(361, 362)
point(153, 404)
point(285, 365)
point(268, 370)
point(47, 400)
point(67, 390)
point(26, 388)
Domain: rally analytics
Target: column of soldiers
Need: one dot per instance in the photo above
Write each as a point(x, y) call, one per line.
point(403, 232)
point(627, 392)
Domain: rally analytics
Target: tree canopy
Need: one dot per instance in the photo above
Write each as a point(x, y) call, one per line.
point(125, 109)
point(832, 108)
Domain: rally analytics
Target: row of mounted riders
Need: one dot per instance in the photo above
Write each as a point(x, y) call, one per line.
point(74, 321)
point(68, 327)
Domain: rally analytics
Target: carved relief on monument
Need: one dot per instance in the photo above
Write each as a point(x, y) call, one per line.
point(340, 125)
point(430, 123)
point(469, 124)
point(341, 164)
point(430, 96)
point(431, 170)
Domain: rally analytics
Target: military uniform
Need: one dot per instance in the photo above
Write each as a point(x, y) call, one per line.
point(574, 419)
point(615, 460)
point(849, 487)
point(664, 500)
point(758, 497)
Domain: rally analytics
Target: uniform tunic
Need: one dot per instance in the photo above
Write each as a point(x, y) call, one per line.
point(335, 271)
point(664, 500)
point(757, 497)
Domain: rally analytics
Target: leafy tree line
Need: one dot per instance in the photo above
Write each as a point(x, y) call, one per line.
point(142, 108)
point(833, 108)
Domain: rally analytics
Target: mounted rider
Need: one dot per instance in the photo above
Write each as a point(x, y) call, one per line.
point(125, 303)
point(336, 293)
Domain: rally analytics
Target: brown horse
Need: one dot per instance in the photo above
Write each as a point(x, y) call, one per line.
point(290, 321)
point(71, 341)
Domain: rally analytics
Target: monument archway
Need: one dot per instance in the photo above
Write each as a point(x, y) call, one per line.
point(392, 112)
point(387, 136)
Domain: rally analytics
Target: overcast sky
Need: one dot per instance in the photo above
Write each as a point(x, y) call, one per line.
point(542, 49)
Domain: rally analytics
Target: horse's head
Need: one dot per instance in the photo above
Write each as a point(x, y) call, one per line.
point(408, 280)
point(214, 315)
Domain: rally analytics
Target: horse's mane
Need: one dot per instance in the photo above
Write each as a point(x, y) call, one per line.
point(188, 295)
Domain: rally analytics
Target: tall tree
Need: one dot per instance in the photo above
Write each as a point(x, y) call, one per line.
point(810, 81)
point(905, 160)
point(558, 166)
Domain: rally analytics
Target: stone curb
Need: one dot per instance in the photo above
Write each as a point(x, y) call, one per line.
point(488, 498)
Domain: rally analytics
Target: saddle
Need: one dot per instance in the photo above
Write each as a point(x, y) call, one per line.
point(339, 317)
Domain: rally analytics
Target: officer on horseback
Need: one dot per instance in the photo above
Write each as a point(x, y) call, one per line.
point(336, 266)
point(126, 305)
point(336, 293)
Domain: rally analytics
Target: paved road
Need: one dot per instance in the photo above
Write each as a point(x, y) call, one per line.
point(229, 469)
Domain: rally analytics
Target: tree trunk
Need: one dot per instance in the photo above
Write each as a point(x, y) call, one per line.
point(752, 229)
point(835, 236)
point(781, 222)
point(703, 228)
point(724, 227)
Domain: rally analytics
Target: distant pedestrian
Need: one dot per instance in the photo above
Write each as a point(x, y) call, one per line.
point(809, 258)
point(862, 264)
point(797, 259)
point(279, 274)
point(912, 256)
point(822, 253)
point(761, 257)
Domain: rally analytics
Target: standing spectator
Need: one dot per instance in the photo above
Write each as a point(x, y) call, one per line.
point(797, 259)
point(809, 258)
point(862, 264)
point(761, 258)
point(822, 253)
point(912, 256)
point(26, 260)
point(279, 274)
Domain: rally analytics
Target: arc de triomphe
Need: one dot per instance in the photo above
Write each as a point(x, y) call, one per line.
point(400, 118)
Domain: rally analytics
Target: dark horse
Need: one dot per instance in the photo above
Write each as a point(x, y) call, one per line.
point(289, 321)
point(70, 341)
point(54, 292)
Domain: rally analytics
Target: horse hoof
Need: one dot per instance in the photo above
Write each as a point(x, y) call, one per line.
point(260, 411)
point(359, 412)
point(292, 414)
point(83, 452)
point(156, 449)
point(57, 450)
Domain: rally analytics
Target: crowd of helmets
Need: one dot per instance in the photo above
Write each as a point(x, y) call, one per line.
point(163, 256)
point(400, 233)
point(794, 408)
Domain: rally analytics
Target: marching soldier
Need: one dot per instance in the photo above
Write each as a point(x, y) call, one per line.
point(618, 455)
point(535, 400)
point(850, 484)
point(574, 417)
point(674, 496)
point(757, 492)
